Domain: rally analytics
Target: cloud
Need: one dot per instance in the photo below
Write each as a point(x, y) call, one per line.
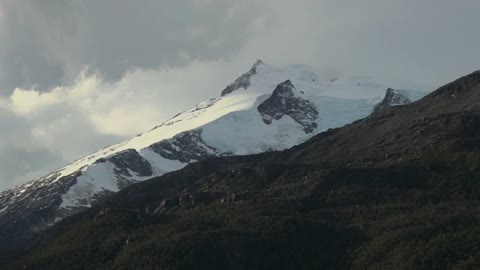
point(431, 42)
point(19, 164)
point(47, 43)
point(20, 155)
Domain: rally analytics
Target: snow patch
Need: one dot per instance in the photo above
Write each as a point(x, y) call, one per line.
point(99, 177)
point(159, 164)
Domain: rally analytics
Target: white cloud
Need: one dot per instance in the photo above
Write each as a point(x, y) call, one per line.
point(135, 102)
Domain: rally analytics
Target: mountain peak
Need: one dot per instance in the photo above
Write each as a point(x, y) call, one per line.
point(392, 98)
point(257, 63)
point(284, 101)
point(244, 80)
point(286, 84)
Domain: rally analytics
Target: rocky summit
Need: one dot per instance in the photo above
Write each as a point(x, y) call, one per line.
point(287, 100)
point(392, 98)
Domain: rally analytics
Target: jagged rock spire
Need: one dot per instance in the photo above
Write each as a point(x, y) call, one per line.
point(392, 98)
point(284, 101)
point(244, 80)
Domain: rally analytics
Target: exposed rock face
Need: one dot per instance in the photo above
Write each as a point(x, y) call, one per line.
point(129, 161)
point(185, 147)
point(286, 100)
point(242, 81)
point(392, 98)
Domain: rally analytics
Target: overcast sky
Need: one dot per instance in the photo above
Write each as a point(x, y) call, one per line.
point(76, 75)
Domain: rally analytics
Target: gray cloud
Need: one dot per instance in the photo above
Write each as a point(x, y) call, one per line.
point(46, 43)
point(32, 145)
point(430, 41)
point(18, 164)
point(20, 156)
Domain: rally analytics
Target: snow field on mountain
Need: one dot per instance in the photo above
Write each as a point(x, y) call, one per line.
point(232, 125)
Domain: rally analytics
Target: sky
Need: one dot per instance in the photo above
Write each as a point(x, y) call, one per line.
point(77, 75)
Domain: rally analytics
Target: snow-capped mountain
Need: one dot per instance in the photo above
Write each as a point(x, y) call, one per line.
point(265, 109)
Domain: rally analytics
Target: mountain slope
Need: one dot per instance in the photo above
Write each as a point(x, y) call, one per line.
point(265, 109)
point(396, 190)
